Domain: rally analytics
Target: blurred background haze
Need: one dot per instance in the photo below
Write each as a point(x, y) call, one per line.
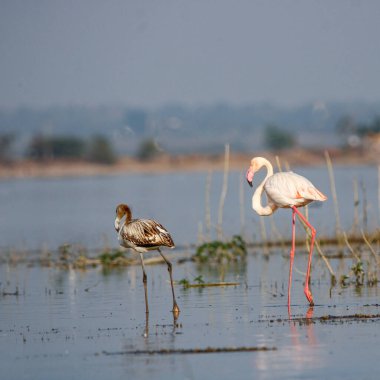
point(158, 75)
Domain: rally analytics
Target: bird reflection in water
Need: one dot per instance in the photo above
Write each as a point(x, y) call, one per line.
point(146, 328)
point(301, 353)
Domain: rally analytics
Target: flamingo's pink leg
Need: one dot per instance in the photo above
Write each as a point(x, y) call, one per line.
point(292, 257)
point(307, 278)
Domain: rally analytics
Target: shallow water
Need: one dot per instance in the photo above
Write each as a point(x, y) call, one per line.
point(88, 324)
point(74, 324)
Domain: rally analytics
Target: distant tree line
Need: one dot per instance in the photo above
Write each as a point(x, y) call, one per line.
point(42, 148)
point(184, 128)
point(97, 149)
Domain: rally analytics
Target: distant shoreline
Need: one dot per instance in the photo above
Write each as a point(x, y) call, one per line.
point(167, 164)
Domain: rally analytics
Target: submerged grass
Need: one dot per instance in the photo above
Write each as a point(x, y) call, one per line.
point(200, 283)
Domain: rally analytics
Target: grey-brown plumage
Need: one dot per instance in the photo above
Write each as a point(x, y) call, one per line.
point(144, 235)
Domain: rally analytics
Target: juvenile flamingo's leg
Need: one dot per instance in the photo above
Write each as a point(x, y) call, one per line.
point(145, 284)
point(169, 264)
point(307, 278)
point(292, 256)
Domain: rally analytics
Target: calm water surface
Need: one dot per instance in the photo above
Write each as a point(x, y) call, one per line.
point(73, 324)
point(86, 324)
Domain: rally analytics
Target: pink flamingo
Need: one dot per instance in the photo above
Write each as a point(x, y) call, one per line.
point(286, 190)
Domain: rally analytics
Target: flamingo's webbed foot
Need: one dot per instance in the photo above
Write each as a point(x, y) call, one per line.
point(309, 296)
point(176, 309)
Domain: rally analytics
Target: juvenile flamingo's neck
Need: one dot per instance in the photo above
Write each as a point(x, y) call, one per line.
point(127, 213)
point(259, 162)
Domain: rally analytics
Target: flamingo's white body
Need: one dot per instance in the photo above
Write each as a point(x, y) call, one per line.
point(143, 235)
point(285, 190)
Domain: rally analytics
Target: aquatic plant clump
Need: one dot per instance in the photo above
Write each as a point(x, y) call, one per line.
point(112, 257)
point(220, 251)
point(357, 276)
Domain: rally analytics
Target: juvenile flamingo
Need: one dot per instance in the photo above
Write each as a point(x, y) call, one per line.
point(286, 190)
point(144, 235)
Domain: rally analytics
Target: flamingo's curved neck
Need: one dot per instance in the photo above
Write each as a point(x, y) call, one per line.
point(128, 214)
point(256, 199)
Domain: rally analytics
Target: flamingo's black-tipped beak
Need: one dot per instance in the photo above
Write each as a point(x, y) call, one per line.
point(117, 224)
point(249, 177)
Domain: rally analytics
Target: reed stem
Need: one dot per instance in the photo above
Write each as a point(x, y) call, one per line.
point(370, 248)
point(324, 258)
point(224, 190)
point(350, 247)
point(338, 229)
point(278, 164)
point(365, 208)
point(356, 207)
point(264, 237)
point(207, 206)
point(241, 202)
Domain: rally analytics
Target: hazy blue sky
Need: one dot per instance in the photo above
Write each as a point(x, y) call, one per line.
point(152, 52)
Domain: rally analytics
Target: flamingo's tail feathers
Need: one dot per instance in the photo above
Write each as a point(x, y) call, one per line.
point(315, 194)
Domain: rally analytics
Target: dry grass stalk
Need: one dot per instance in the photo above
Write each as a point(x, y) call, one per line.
point(371, 248)
point(278, 164)
point(201, 236)
point(241, 203)
point(338, 228)
point(324, 258)
point(356, 207)
point(264, 237)
point(365, 208)
point(224, 190)
point(350, 247)
point(207, 206)
point(277, 233)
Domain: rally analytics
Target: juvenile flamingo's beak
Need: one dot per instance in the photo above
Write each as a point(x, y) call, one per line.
point(249, 176)
point(117, 224)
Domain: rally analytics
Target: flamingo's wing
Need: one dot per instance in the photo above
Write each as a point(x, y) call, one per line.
point(290, 189)
point(312, 193)
point(147, 233)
